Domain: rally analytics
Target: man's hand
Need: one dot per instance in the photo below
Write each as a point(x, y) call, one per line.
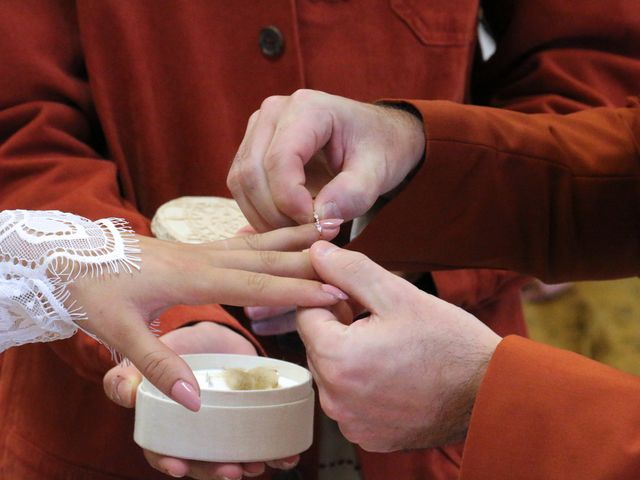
point(121, 382)
point(347, 151)
point(239, 271)
point(406, 375)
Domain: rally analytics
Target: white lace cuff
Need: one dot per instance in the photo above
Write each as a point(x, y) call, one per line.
point(41, 253)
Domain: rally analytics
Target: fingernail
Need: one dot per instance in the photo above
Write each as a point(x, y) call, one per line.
point(260, 313)
point(174, 475)
point(277, 325)
point(115, 395)
point(335, 292)
point(329, 210)
point(123, 391)
point(288, 465)
point(325, 248)
point(184, 393)
point(257, 313)
point(331, 223)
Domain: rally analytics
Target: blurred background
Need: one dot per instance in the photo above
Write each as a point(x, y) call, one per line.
point(600, 320)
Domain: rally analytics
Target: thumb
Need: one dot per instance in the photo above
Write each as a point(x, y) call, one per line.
point(349, 194)
point(156, 362)
point(368, 283)
point(121, 384)
point(319, 329)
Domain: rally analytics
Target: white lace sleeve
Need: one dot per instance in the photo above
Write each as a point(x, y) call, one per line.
point(41, 252)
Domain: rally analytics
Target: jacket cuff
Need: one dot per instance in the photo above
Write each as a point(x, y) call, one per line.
point(542, 412)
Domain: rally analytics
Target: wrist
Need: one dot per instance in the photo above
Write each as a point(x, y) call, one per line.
point(455, 416)
point(412, 133)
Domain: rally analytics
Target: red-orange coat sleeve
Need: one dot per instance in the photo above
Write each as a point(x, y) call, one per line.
point(52, 154)
point(544, 413)
point(551, 56)
point(554, 196)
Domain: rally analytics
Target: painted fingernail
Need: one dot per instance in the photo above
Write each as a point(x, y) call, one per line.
point(329, 210)
point(335, 292)
point(184, 393)
point(331, 223)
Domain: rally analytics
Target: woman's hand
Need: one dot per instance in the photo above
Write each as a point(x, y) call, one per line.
point(245, 270)
point(121, 382)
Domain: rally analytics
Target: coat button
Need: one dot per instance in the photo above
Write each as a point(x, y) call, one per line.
point(271, 42)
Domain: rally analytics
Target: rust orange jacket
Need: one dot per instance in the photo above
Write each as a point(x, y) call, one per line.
point(565, 205)
point(548, 195)
point(112, 108)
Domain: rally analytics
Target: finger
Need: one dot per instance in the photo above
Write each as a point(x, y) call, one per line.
point(215, 471)
point(208, 337)
point(256, 222)
point(285, 463)
point(302, 131)
point(121, 383)
point(273, 262)
point(247, 177)
point(350, 194)
point(276, 325)
point(319, 329)
point(242, 288)
point(261, 313)
point(157, 362)
point(253, 469)
point(195, 469)
point(174, 467)
point(369, 284)
point(243, 172)
point(283, 239)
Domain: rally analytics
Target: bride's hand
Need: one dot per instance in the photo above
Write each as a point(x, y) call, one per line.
point(247, 270)
point(121, 382)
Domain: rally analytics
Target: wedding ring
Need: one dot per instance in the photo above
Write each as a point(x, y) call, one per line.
point(316, 217)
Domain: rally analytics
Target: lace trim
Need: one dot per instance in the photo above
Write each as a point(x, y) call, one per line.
point(41, 253)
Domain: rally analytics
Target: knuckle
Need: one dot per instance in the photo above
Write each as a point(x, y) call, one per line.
point(247, 175)
point(253, 117)
point(341, 378)
point(253, 241)
point(156, 366)
point(330, 407)
point(272, 160)
point(258, 282)
point(270, 258)
point(303, 95)
point(355, 263)
point(271, 102)
point(350, 432)
point(232, 176)
point(370, 445)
